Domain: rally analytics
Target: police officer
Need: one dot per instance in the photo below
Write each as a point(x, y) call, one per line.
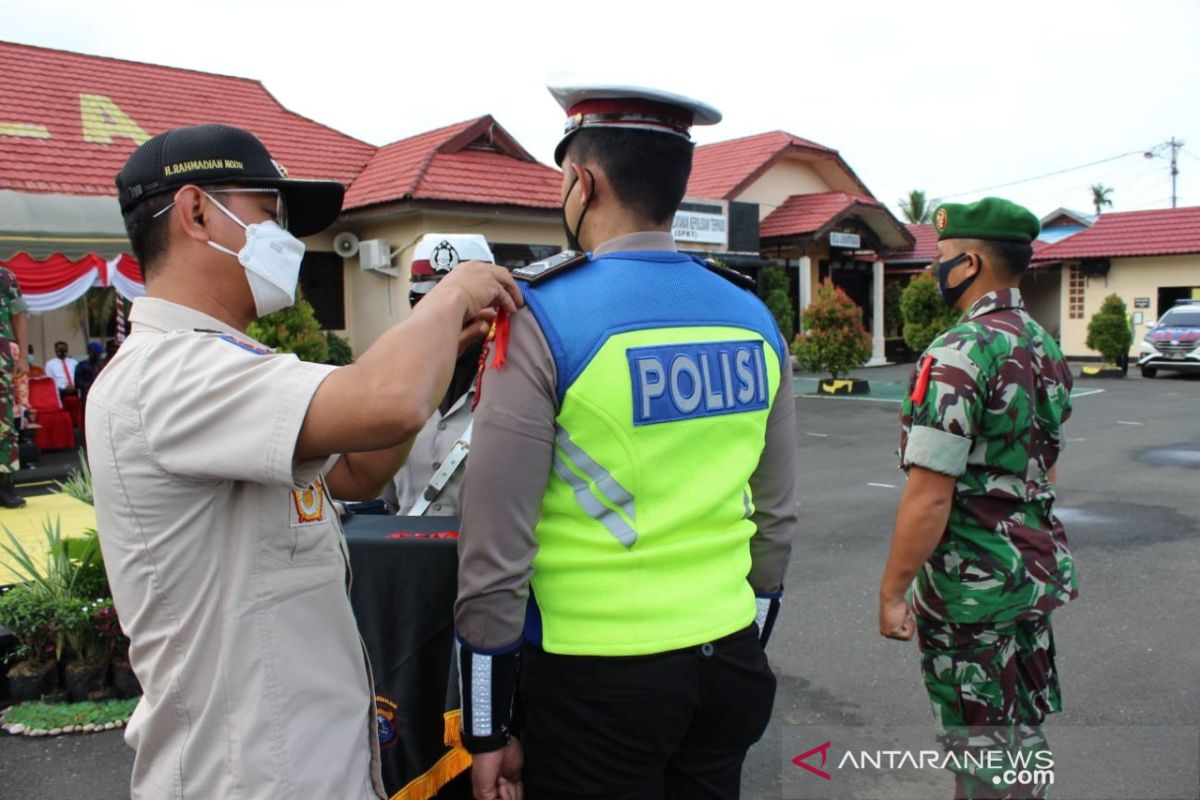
point(214, 462)
point(976, 538)
point(630, 502)
point(430, 481)
point(12, 365)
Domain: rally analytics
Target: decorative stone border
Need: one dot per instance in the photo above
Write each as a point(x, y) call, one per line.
point(16, 729)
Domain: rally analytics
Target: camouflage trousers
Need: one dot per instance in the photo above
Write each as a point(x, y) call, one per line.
point(992, 685)
point(10, 453)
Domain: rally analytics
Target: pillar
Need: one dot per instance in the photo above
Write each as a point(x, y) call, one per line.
point(804, 283)
point(877, 357)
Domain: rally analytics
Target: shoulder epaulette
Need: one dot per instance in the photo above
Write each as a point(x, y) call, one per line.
point(731, 275)
point(548, 267)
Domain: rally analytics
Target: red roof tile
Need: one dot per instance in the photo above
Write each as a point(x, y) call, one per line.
point(724, 169)
point(1161, 232)
point(470, 162)
point(924, 249)
point(802, 214)
point(44, 89)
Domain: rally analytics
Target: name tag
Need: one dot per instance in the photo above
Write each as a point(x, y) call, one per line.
point(685, 381)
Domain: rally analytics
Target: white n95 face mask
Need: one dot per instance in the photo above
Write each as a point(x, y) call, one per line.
point(271, 258)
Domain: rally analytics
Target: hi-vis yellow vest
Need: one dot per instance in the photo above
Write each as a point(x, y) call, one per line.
point(666, 374)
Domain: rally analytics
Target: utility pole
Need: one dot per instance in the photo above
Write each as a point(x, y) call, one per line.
point(1175, 146)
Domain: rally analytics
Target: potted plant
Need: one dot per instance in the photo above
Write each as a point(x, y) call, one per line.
point(29, 614)
point(834, 341)
point(69, 565)
point(116, 648)
point(1110, 334)
point(84, 673)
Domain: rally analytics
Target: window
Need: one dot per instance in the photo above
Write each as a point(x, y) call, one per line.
point(1077, 283)
point(323, 282)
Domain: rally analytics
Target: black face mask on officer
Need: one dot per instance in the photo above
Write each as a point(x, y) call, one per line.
point(951, 296)
point(573, 236)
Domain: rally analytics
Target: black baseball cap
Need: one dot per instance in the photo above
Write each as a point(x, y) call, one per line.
point(203, 155)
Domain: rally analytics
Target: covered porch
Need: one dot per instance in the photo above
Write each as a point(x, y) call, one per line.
point(841, 236)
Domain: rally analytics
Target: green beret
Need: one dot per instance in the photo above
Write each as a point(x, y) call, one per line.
point(990, 218)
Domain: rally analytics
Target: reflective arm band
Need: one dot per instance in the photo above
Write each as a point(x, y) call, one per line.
point(487, 685)
point(767, 609)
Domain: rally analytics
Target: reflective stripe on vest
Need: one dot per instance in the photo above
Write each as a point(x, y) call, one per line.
point(611, 520)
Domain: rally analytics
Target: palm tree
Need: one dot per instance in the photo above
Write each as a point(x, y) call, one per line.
point(916, 208)
point(1100, 196)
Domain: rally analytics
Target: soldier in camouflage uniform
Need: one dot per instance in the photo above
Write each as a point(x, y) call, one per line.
point(12, 329)
point(978, 559)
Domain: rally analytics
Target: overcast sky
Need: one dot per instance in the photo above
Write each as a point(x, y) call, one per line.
point(949, 96)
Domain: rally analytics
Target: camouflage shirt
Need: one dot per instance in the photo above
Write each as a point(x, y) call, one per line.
point(986, 404)
point(11, 304)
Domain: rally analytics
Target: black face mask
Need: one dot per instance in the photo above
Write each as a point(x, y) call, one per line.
point(573, 236)
point(951, 296)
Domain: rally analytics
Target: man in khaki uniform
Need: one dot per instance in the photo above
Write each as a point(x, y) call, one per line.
point(214, 463)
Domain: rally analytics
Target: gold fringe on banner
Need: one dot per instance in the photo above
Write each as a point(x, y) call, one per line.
point(448, 767)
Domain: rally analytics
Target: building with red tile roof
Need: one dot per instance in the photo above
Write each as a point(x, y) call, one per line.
point(726, 170)
point(1126, 234)
point(68, 122)
point(817, 218)
point(1150, 259)
point(814, 215)
point(475, 161)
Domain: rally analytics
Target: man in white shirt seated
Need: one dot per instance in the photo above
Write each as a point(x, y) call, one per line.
point(62, 369)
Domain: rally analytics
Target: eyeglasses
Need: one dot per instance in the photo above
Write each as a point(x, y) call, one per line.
point(280, 203)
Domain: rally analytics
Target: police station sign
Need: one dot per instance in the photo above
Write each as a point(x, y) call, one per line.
point(702, 223)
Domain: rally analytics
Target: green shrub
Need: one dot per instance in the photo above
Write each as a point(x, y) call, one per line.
point(1108, 331)
point(779, 299)
point(29, 614)
point(834, 339)
point(340, 353)
point(293, 330)
point(926, 315)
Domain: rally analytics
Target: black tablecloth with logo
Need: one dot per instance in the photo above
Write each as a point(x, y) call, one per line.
point(403, 593)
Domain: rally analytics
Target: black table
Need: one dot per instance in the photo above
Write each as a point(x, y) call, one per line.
point(405, 580)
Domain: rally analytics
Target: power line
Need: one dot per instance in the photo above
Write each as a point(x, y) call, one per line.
point(1040, 177)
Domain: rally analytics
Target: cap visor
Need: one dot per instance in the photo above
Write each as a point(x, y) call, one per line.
point(312, 206)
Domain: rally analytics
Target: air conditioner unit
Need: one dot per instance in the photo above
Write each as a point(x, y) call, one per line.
point(375, 255)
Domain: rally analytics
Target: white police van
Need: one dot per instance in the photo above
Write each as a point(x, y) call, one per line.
point(1174, 342)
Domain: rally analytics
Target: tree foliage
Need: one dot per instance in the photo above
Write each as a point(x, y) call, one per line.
point(293, 330)
point(916, 208)
point(925, 314)
point(779, 299)
point(1101, 196)
point(1108, 332)
point(834, 340)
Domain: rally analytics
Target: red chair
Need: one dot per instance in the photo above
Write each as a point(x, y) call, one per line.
point(56, 430)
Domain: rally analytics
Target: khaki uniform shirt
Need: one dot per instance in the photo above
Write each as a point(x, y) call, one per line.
point(228, 569)
point(429, 450)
